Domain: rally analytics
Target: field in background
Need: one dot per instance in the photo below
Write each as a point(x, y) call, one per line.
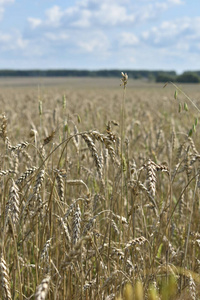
point(82, 214)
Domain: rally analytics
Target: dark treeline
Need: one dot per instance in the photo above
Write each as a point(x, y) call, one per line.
point(81, 73)
point(158, 75)
point(186, 77)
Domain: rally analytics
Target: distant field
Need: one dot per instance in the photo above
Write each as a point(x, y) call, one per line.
point(79, 82)
point(99, 190)
point(87, 83)
point(76, 81)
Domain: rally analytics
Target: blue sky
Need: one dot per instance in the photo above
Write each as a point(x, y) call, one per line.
point(100, 34)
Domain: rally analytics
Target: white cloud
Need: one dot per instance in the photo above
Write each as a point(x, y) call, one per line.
point(112, 14)
point(4, 38)
point(12, 41)
point(184, 32)
point(128, 39)
point(153, 10)
point(84, 20)
point(84, 14)
point(3, 3)
point(54, 15)
point(62, 36)
point(21, 43)
point(176, 2)
point(95, 42)
point(34, 22)
point(104, 13)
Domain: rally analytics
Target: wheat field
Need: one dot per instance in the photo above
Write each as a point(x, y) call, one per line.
point(99, 187)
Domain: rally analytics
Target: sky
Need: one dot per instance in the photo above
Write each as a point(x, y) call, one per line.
point(100, 34)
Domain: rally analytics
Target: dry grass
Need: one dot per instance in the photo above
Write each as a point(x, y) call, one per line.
point(84, 216)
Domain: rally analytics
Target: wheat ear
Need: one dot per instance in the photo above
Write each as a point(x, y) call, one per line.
point(5, 280)
point(42, 289)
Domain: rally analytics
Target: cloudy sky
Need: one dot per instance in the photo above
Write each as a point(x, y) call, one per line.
point(99, 34)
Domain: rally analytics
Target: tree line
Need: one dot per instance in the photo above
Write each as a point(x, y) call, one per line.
point(157, 75)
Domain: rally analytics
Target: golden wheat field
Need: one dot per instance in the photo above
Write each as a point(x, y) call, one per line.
point(99, 187)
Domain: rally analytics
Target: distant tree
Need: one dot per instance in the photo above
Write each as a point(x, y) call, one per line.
point(165, 77)
point(188, 77)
